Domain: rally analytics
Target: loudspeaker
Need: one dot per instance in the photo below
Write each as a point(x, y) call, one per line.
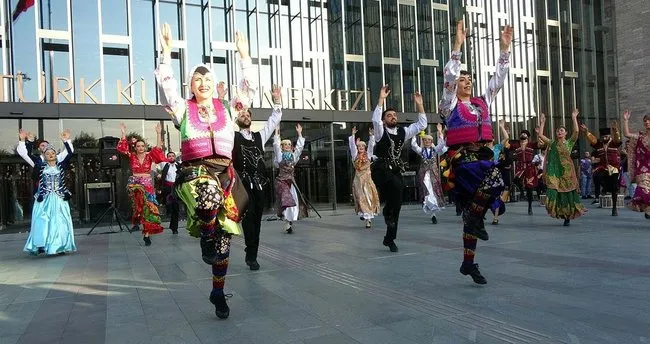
point(99, 193)
point(99, 196)
point(108, 154)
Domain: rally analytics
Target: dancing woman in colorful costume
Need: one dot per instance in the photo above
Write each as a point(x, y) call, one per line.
point(562, 198)
point(51, 230)
point(207, 183)
point(140, 185)
point(364, 192)
point(639, 164)
point(291, 204)
point(474, 177)
point(430, 186)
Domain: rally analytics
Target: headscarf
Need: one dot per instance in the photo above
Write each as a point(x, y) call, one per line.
point(49, 147)
point(243, 97)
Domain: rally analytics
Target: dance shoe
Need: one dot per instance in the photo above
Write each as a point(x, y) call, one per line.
point(253, 265)
point(472, 270)
point(221, 308)
point(391, 245)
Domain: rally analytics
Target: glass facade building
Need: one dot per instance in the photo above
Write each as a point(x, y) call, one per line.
point(88, 65)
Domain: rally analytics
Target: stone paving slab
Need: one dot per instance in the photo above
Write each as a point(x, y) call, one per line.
point(333, 282)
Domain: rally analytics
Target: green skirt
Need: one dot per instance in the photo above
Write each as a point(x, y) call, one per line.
point(564, 205)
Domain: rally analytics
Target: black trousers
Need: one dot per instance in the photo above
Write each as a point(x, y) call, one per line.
point(172, 206)
point(390, 186)
point(252, 222)
point(608, 183)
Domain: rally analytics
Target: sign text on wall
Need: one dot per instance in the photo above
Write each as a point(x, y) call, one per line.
point(293, 98)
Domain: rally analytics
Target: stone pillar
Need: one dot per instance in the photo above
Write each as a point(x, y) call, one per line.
point(633, 62)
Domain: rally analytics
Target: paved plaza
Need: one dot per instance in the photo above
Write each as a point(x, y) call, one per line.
point(332, 282)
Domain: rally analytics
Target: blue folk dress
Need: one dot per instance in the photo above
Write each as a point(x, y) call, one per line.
point(51, 230)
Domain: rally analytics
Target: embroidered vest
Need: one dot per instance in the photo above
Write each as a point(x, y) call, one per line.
point(465, 127)
point(248, 159)
point(201, 139)
point(389, 149)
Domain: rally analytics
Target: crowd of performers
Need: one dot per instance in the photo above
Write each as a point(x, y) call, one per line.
point(222, 180)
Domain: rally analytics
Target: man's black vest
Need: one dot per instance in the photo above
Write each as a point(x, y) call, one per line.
point(248, 160)
point(389, 149)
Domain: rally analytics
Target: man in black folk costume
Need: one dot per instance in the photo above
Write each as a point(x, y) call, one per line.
point(248, 160)
point(388, 167)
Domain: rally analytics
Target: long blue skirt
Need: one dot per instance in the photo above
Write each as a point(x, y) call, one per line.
point(51, 228)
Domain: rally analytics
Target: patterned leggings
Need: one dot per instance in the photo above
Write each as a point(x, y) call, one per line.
point(473, 211)
point(209, 203)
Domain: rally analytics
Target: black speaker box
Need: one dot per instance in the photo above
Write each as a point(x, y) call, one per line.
point(99, 193)
point(109, 156)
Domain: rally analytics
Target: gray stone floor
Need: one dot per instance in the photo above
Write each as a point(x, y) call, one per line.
point(333, 282)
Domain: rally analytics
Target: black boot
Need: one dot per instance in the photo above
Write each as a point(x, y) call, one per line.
point(221, 308)
point(391, 245)
point(473, 271)
point(208, 250)
point(530, 209)
point(567, 222)
point(434, 220)
point(253, 264)
point(147, 241)
point(614, 212)
point(251, 261)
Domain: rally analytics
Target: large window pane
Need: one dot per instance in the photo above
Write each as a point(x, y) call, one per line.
point(427, 88)
point(353, 29)
point(219, 19)
point(355, 82)
point(85, 30)
point(54, 14)
point(197, 48)
point(56, 63)
point(23, 49)
point(552, 10)
point(336, 44)
point(170, 13)
point(408, 39)
point(116, 68)
point(373, 48)
point(425, 29)
point(114, 17)
point(52, 131)
point(394, 99)
point(390, 32)
point(144, 51)
point(8, 136)
point(576, 7)
point(441, 38)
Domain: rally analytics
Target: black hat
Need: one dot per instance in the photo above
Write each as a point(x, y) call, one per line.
point(525, 132)
point(605, 131)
